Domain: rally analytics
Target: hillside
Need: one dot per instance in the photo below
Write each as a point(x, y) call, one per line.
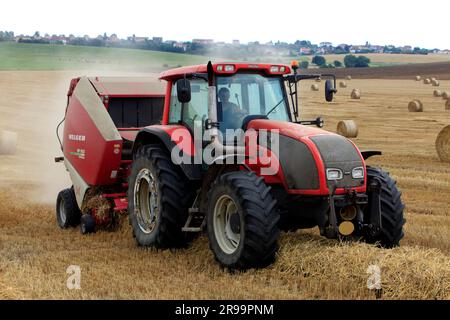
point(21, 56)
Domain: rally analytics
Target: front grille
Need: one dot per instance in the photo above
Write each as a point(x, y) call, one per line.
point(338, 152)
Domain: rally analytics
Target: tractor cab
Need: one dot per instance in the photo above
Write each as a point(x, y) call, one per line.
point(241, 93)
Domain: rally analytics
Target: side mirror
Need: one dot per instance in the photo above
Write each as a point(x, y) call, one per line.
point(329, 90)
point(184, 90)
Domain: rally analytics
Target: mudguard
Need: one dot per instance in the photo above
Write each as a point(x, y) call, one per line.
point(168, 135)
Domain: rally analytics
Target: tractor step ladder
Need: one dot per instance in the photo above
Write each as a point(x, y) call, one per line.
point(195, 222)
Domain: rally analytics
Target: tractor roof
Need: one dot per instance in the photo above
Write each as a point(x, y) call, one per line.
point(127, 86)
point(221, 68)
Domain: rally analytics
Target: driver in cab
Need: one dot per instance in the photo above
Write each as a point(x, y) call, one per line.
point(229, 113)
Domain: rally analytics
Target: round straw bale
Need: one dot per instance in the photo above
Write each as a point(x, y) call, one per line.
point(418, 78)
point(349, 77)
point(426, 81)
point(435, 83)
point(447, 105)
point(415, 106)
point(342, 84)
point(433, 79)
point(443, 144)
point(314, 87)
point(356, 94)
point(318, 79)
point(437, 93)
point(347, 128)
point(8, 142)
point(446, 95)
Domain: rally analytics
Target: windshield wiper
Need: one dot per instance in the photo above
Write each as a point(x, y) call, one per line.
point(271, 110)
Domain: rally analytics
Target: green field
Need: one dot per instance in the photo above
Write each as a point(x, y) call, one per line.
point(20, 56)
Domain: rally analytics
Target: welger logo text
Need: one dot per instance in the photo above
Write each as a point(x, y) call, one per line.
point(77, 137)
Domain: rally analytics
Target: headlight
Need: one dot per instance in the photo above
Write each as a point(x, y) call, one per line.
point(334, 174)
point(358, 173)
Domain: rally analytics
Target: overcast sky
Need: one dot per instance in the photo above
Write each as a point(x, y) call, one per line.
point(398, 22)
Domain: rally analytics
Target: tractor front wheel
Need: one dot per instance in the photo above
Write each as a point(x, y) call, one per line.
point(391, 210)
point(242, 221)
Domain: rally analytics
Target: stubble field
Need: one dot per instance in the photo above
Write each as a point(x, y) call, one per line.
point(35, 253)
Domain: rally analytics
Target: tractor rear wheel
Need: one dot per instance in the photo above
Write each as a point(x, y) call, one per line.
point(67, 212)
point(158, 199)
point(242, 221)
point(392, 220)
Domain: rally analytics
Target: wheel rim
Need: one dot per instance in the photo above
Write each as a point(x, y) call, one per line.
point(146, 201)
point(225, 211)
point(62, 212)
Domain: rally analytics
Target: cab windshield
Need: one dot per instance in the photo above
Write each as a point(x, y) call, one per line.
point(242, 95)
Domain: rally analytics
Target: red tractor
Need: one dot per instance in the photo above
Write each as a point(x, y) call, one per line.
point(170, 162)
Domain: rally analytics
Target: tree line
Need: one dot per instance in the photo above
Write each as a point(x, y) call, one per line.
point(350, 61)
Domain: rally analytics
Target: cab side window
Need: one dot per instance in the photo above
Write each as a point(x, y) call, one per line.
point(193, 112)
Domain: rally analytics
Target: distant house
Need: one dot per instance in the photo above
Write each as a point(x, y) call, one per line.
point(137, 39)
point(406, 49)
point(305, 51)
point(360, 49)
point(390, 49)
point(321, 51)
point(203, 41)
point(157, 39)
point(55, 39)
point(23, 38)
point(325, 48)
point(180, 45)
point(113, 39)
point(377, 48)
point(235, 42)
point(325, 44)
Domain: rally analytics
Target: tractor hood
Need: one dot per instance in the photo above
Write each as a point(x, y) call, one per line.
point(306, 154)
point(292, 130)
